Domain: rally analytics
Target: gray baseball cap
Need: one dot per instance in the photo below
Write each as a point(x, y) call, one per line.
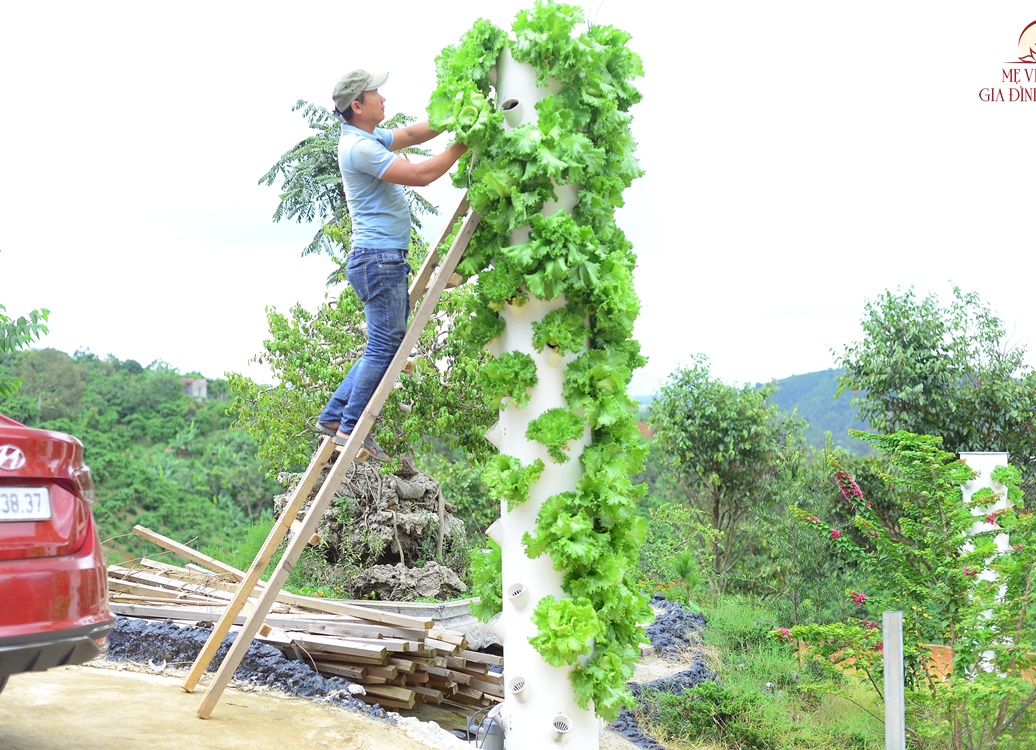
point(354, 83)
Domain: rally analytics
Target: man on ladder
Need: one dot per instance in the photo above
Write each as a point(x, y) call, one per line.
point(373, 177)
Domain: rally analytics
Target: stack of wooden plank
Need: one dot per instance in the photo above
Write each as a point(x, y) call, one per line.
point(401, 660)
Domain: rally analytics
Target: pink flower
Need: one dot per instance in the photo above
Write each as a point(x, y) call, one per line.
point(812, 519)
point(869, 624)
point(881, 646)
point(970, 572)
point(835, 533)
point(783, 633)
point(857, 597)
point(1018, 547)
point(850, 490)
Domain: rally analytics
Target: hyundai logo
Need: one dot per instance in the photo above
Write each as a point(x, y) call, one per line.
point(11, 458)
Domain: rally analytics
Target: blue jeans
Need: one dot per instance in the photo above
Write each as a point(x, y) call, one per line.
point(379, 278)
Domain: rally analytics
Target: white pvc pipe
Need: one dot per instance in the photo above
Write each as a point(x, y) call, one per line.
point(543, 709)
point(517, 595)
point(983, 464)
point(495, 533)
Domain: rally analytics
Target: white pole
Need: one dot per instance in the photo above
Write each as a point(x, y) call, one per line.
point(895, 708)
point(539, 709)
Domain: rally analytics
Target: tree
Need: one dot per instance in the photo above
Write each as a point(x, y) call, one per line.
point(309, 353)
point(311, 186)
point(53, 380)
point(719, 445)
point(943, 371)
point(16, 333)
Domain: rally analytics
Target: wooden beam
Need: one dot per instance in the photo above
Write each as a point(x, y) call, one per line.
point(482, 658)
point(330, 606)
point(320, 644)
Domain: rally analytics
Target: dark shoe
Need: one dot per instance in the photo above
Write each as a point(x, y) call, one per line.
point(325, 428)
point(372, 449)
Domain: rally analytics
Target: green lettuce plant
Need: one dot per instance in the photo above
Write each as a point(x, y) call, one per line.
point(508, 379)
point(556, 428)
point(581, 137)
point(508, 479)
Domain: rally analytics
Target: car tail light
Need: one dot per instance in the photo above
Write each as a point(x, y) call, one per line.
point(85, 480)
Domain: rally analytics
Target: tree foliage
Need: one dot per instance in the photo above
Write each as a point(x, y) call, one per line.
point(719, 444)
point(311, 185)
point(15, 334)
point(159, 458)
point(310, 352)
point(947, 371)
point(51, 378)
point(972, 597)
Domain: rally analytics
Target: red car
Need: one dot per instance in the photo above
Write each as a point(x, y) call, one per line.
point(53, 580)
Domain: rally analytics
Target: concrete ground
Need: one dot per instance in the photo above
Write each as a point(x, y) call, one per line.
point(92, 708)
point(121, 706)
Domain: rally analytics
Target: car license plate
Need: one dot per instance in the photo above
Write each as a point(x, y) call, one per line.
point(24, 503)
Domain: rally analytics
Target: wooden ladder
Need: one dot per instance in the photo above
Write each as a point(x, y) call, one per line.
point(431, 289)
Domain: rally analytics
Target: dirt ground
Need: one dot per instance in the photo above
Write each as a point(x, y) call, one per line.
point(111, 706)
point(105, 708)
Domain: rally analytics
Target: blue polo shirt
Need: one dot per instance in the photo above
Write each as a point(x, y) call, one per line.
point(379, 210)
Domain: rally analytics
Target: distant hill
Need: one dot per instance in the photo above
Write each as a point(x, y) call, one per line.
point(812, 396)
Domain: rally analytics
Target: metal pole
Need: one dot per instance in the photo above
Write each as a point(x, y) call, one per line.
point(895, 709)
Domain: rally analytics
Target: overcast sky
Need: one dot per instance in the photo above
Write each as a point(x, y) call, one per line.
point(800, 157)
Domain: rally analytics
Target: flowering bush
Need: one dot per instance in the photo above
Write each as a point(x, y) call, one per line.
point(924, 569)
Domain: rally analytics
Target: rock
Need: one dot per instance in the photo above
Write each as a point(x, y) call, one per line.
point(379, 519)
point(398, 583)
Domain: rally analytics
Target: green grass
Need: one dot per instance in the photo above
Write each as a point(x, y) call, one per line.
point(242, 554)
point(766, 697)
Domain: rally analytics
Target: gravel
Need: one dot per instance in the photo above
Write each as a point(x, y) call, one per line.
point(674, 632)
point(167, 644)
point(675, 629)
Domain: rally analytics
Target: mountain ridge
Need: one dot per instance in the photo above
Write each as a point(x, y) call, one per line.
point(812, 397)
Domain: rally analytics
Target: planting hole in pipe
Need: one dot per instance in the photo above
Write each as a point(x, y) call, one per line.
point(496, 532)
point(517, 595)
point(517, 688)
point(561, 726)
point(512, 109)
